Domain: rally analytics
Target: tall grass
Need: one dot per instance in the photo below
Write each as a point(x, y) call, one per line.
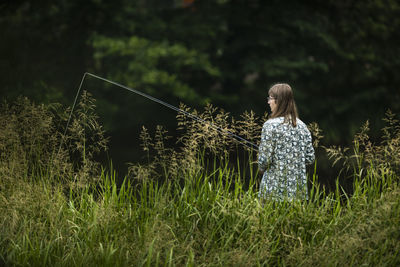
point(189, 206)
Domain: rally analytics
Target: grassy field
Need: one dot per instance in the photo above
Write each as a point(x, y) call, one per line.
point(61, 208)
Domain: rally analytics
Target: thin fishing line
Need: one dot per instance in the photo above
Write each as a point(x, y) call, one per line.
point(72, 110)
point(241, 140)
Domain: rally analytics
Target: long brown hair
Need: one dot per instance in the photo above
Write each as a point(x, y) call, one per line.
point(285, 105)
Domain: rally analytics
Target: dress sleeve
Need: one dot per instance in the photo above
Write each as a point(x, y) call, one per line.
point(267, 147)
point(310, 157)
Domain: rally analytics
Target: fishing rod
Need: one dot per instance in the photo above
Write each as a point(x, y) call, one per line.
point(237, 138)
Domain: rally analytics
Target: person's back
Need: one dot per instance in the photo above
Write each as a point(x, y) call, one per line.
point(289, 151)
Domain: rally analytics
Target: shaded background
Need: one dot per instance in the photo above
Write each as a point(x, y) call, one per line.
point(341, 57)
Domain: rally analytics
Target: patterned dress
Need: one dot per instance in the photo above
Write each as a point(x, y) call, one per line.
point(283, 154)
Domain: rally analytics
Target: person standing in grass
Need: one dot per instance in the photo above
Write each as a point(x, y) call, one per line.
point(285, 148)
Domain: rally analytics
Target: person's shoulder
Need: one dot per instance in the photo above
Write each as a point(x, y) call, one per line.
point(300, 123)
point(274, 121)
point(272, 124)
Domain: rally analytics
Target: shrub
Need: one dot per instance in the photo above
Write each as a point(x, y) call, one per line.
point(33, 141)
point(366, 158)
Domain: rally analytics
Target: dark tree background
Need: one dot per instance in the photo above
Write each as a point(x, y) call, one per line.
point(341, 57)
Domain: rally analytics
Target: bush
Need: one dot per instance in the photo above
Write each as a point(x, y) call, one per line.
point(33, 141)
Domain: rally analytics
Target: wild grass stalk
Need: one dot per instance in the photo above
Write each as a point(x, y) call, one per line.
point(202, 220)
point(190, 207)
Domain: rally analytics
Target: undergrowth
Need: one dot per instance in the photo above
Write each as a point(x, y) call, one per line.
point(195, 205)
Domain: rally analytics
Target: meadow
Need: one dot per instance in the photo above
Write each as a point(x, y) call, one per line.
point(193, 204)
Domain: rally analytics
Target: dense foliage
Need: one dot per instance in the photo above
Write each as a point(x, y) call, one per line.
point(57, 205)
point(58, 208)
point(341, 57)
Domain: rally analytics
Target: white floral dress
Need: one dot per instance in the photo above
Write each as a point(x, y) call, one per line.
point(283, 154)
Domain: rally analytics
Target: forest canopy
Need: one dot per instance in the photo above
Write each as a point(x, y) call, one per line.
point(341, 57)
